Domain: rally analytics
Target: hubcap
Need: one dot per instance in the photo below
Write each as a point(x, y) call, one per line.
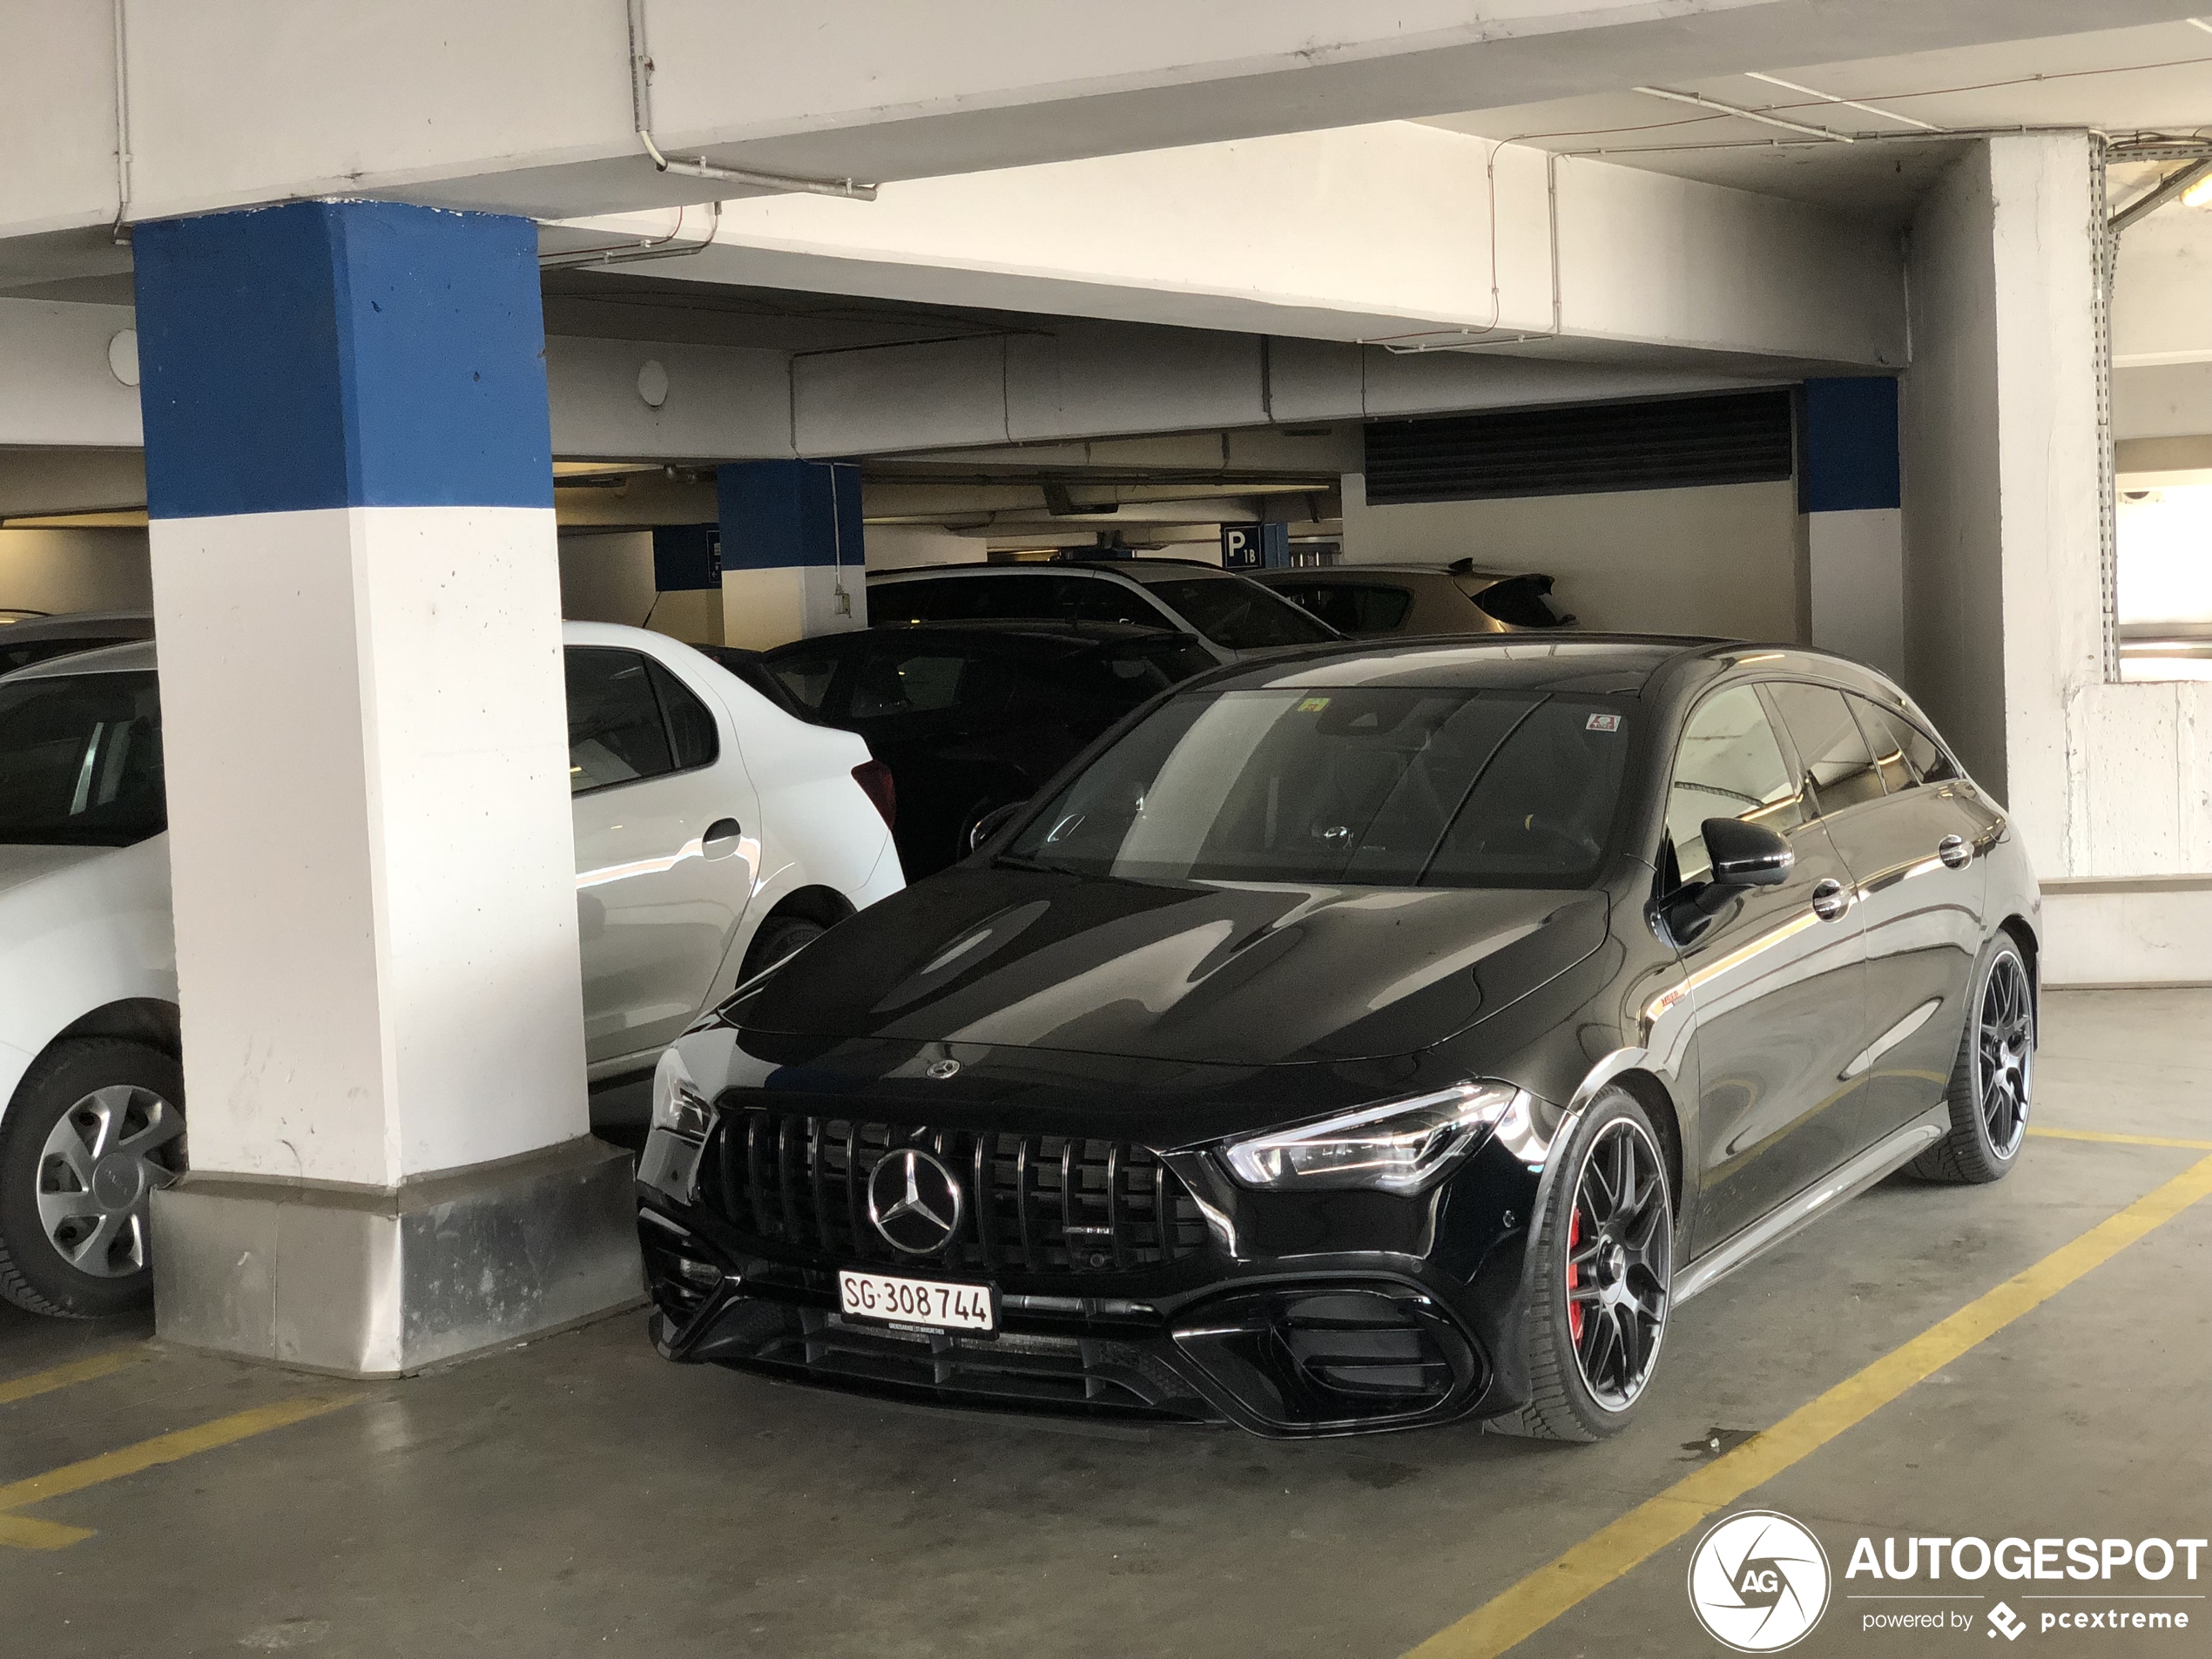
point(2007, 1054)
point(1620, 1242)
point(97, 1174)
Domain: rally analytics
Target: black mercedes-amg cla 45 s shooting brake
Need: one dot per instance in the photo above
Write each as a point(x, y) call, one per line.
point(1376, 1037)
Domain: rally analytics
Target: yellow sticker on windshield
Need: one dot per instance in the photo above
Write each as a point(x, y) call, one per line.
point(1313, 706)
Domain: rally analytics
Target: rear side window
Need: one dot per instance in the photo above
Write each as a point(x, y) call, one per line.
point(80, 761)
point(1241, 615)
point(615, 731)
point(1352, 607)
point(1829, 742)
point(1104, 601)
point(1905, 754)
point(1728, 764)
point(690, 727)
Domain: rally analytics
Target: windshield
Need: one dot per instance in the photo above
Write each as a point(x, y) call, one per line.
point(80, 761)
point(1382, 787)
point(1241, 615)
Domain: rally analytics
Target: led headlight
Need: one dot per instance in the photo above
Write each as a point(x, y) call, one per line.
point(1402, 1146)
point(677, 1104)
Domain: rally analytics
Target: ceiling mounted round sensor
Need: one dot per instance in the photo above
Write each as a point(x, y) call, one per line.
point(123, 356)
point(652, 382)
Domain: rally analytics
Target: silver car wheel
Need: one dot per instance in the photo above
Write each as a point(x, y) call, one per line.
point(98, 1172)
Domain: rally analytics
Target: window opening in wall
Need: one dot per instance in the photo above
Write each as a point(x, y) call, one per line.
point(2164, 551)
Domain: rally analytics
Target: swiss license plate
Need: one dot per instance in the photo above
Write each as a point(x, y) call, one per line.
point(932, 1304)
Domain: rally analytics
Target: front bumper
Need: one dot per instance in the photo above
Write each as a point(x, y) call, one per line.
point(1286, 1315)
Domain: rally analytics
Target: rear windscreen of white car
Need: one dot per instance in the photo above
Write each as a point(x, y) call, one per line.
point(80, 761)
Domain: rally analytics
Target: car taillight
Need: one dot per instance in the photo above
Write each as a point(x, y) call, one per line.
point(874, 777)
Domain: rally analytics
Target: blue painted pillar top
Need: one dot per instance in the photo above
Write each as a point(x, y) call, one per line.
point(778, 514)
point(346, 353)
point(1847, 441)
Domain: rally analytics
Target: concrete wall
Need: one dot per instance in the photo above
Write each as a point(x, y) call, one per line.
point(2108, 783)
point(607, 576)
point(1721, 560)
point(74, 569)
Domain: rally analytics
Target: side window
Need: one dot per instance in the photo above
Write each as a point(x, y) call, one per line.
point(1925, 760)
point(1098, 600)
point(691, 725)
point(1029, 595)
point(616, 733)
point(1353, 608)
point(1728, 764)
point(1829, 743)
point(806, 673)
point(902, 601)
point(1891, 759)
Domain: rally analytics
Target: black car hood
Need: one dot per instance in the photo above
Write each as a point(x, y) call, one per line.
point(1199, 973)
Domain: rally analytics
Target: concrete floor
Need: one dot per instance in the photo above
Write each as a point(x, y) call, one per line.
point(580, 1496)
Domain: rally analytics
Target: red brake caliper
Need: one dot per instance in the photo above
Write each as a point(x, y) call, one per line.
point(1574, 1273)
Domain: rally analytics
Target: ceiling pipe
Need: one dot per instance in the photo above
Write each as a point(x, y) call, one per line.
point(1742, 114)
point(641, 109)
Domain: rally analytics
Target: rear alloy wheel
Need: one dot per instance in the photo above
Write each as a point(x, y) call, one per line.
point(97, 1125)
point(1600, 1278)
point(1992, 1080)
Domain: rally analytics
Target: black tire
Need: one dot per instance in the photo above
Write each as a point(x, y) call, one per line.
point(109, 1089)
point(780, 938)
point(1566, 1348)
point(1993, 1079)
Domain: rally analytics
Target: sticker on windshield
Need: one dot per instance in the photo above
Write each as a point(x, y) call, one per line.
point(1602, 722)
point(1313, 706)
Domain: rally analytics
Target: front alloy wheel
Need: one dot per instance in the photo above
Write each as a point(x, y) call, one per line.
point(96, 1126)
point(1601, 1274)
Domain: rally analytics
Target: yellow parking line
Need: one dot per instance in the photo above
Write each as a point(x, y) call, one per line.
point(77, 1370)
point(1628, 1543)
point(2119, 1140)
point(28, 1534)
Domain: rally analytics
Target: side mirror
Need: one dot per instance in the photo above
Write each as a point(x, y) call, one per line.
point(1746, 855)
point(1743, 855)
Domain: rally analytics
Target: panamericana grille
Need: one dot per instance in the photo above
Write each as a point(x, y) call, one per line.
point(1035, 1204)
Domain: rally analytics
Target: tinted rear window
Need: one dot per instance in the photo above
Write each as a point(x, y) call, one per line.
point(80, 761)
point(1352, 607)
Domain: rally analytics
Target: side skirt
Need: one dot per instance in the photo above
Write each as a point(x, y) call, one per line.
point(1848, 1181)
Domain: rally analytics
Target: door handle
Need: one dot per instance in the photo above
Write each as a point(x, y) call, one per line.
point(721, 838)
point(1830, 899)
point(1954, 852)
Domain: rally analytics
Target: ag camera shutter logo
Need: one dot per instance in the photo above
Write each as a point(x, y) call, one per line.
point(1759, 1582)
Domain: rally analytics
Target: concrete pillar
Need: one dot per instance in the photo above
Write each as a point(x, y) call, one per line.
point(687, 582)
point(356, 593)
point(794, 563)
point(1853, 530)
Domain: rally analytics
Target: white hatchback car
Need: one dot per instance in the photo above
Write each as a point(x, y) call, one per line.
point(715, 835)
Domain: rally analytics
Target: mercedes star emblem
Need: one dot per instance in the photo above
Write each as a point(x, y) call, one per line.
point(915, 1202)
point(942, 1069)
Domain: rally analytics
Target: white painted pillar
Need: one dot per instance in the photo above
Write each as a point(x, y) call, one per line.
point(794, 561)
point(2005, 623)
point(1854, 535)
point(356, 596)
